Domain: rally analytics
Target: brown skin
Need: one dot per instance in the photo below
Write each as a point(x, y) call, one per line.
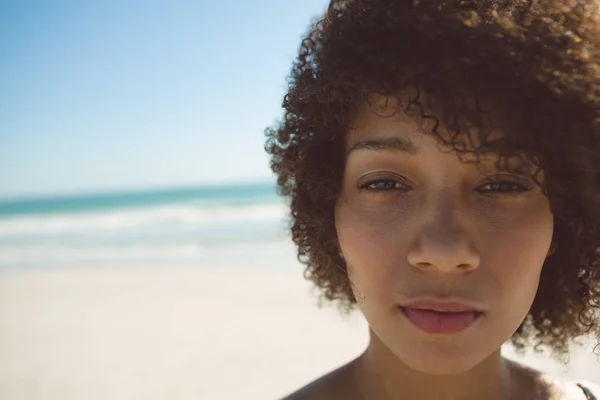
point(344, 383)
point(434, 233)
point(443, 230)
point(438, 227)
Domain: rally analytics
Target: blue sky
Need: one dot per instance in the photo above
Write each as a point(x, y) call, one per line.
point(116, 94)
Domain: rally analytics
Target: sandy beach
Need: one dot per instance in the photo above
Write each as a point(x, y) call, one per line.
point(180, 333)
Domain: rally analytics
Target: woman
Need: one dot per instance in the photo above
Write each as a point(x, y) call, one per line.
point(443, 164)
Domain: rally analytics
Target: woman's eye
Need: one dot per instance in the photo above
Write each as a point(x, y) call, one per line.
point(504, 187)
point(382, 184)
point(492, 187)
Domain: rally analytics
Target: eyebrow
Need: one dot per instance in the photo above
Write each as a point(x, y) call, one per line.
point(394, 143)
point(405, 145)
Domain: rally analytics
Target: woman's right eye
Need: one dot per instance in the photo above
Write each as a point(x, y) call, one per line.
point(382, 185)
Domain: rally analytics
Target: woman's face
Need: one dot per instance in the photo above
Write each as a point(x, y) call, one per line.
point(413, 221)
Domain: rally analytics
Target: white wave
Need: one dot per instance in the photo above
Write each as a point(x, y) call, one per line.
point(44, 255)
point(135, 218)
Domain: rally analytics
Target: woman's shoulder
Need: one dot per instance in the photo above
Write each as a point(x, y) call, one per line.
point(575, 389)
point(333, 385)
point(337, 385)
point(548, 386)
point(591, 391)
point(566, 389)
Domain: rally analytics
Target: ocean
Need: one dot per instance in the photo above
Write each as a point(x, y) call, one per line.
point(220, 226)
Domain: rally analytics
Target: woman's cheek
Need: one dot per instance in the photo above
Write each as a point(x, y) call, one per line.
point(520, 245)
point(523, 228)
point(364, 225)
point(372, 237)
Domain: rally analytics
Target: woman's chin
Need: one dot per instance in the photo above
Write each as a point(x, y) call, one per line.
point(440, 366)
point(440, 362)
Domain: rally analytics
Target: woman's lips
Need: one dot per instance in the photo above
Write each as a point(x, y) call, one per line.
point(440, 322)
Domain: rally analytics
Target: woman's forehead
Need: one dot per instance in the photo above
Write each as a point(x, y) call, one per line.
point(389, 116)
point(417, 134)
point(402, 134)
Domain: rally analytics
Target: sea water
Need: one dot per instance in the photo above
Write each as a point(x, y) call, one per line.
point(219, 226)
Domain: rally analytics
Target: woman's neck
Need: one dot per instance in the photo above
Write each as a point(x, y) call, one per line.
point(379, 374)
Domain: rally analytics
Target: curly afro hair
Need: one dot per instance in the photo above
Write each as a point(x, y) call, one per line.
point(539, 61)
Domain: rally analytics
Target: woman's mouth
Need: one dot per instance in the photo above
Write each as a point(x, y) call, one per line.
point(440, 322)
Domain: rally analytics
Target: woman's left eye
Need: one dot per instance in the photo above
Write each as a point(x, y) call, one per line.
point(380, 185)
point(504, 187)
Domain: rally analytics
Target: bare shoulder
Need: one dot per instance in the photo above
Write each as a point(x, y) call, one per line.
point(333, 385)
point(540, 385)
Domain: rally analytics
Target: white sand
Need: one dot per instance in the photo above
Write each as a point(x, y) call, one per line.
point(178, 334)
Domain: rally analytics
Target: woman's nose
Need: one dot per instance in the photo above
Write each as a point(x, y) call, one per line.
point(444, 244)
